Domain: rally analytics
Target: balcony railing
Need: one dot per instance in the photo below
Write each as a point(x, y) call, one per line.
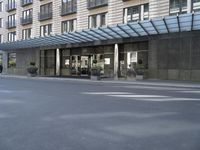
point(26, 2)
point(66, 11)
point(10, 25)
point(25, 21)
point(97, 3)
point(11, 6)
point(46, 16)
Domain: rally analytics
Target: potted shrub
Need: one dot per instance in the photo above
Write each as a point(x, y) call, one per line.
point(32, 69)
point(95, 71)
point(140, 70)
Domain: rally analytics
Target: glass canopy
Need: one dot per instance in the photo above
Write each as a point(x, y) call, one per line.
point(165, 25)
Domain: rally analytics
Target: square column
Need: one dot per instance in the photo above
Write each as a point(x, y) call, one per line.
point(58, 62)
point(189, 6)
point(116, 61)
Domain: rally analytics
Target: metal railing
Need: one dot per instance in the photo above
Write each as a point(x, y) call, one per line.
point(97, 3)
point(26, 2)
point(65, 10)
point(11, 6)
point(45, 16)
point(27, 20)
point(10, 24)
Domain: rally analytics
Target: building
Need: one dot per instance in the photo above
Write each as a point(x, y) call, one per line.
point(64, 37)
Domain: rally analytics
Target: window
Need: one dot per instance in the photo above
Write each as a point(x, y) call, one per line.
point(45, 11)
point(11, 4)
point(196, 5)
point(11, 60)
point(11, 21)
point(27, 16)
point(1, 6)
point(136, 13)
point(26, 34)
point(69, 26)
point(1, 59)
point(11, 36)
point(68, 6)
point(45, 30)
point(1, 38)
point(1, 22)
point(178, 7)
point(98, 20)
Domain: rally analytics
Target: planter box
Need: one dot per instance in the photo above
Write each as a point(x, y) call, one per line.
point(139, 77)
point(95, 78)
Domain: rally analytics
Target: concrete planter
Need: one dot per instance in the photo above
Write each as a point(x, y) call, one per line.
point(95, 78)
point(139, 77)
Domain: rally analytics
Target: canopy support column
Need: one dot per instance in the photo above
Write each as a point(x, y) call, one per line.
point(116, 61)
point(58, 62)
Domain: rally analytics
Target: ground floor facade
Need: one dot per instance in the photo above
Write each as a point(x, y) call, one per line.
point(170, 56)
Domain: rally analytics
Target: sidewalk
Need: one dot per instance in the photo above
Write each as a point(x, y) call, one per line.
point(149, 82)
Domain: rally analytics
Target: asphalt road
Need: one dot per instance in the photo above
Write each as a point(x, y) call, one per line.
point(73, 115)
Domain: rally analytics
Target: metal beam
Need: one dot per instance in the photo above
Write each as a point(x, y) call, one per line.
point(124, 31)
point(115, 32)
point(166, 25)
point(106, 33)
point(154, 27)
point(133, 29)
point(91, 34)
point(99, 34)
point(192, 24)
point(93, 39)
point(143, 28)
point(75, 34)
point(179, 27)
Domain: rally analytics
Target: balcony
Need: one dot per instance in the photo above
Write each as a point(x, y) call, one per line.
point(66, 11)
point(26, 2)
point(25, 21)
point(97, 3)
point(10, 25)
point(46, 16)
point(11, 7)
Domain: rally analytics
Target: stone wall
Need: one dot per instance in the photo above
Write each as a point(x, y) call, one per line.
point(175, 57)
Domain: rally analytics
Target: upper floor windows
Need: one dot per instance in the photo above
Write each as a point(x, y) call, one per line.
point(1, 22)
point(69, 26)
point(11, 21)
point(196, 5)
point(97, 3)
point(12, 36)
point(1, 6)
point(178, 7)
point(26, 2)
point(45, 30)
point(11, 5)
point(45, 12)
point(26, 33)
point(27, 16)
point(98, 20)
point(68, 7)
point(136, 13)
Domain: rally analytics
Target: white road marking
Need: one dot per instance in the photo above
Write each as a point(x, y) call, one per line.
point(105, 93)
point(138, 96)
point(169, 99)
point(189, 91)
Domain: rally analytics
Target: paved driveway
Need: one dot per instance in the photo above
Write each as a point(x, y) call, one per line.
point(74, 115)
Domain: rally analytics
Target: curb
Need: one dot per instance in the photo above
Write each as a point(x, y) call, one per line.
point(129, 82)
